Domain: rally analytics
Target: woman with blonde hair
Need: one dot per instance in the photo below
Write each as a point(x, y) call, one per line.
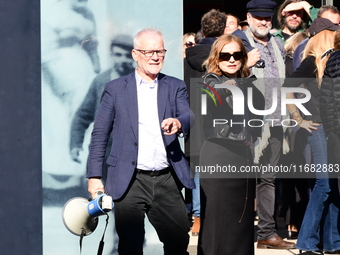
point(295, 191)
point(320, 46)
point(337, 40)
point(290, 46)
point(227, 199)
point(321, 215)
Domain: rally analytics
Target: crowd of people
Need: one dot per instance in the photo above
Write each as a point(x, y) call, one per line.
point(141, 115)
point(295, 55)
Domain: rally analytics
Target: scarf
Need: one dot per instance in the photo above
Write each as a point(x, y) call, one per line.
point(262, 142)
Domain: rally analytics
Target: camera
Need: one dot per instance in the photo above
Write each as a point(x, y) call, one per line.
point(260, 64)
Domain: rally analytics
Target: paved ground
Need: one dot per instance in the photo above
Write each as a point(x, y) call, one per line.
point(281, 231)
point(58, 240)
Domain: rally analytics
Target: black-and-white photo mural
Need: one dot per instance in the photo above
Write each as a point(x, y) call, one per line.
point(84, 45)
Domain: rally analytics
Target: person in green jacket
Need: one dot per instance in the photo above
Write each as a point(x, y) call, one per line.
point(294, 16)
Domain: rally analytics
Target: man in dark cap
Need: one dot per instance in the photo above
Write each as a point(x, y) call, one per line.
point(329, 12)
point(321, 24)
point(123, 64)
point(269, 150)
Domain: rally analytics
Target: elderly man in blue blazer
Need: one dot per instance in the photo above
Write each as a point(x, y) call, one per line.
point(147, 111)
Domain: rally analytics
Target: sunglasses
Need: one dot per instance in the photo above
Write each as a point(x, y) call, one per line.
point(189, 44)
point(226, 55)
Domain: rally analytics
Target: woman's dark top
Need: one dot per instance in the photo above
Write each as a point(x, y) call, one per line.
point(289, 64)
point(237, 132)
point(306, 74)
point(330, 95)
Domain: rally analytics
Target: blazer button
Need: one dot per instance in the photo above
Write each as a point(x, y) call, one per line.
point(133, 163)
point(135, 144)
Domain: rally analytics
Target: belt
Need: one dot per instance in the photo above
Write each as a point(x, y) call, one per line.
point(155, 172)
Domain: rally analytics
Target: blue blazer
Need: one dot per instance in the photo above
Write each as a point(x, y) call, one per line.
point(118, 112)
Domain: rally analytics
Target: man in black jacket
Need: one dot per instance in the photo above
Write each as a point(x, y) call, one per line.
point(212, 26)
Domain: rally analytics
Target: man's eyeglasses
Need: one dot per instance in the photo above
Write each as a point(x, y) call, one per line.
point(189, 44)
point(149, 53)
point(226, 55)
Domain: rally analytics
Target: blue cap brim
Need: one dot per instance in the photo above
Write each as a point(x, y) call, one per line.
point(260, 13)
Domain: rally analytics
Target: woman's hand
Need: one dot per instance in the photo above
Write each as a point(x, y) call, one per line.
point(309, 125)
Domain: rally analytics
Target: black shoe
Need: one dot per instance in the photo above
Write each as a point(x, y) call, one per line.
point(332, 252)
point(292, 235)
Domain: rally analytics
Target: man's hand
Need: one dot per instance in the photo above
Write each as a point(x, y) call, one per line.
point(94, 185)
point(303, 5)
point(75, 154)
point(253, 56)
point(171, 126)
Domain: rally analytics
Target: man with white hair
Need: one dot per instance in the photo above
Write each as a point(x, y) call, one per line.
point(145, 111)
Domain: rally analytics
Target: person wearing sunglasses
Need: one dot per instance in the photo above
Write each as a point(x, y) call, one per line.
point(227, 199)
point(188, 41)
point(192, 197)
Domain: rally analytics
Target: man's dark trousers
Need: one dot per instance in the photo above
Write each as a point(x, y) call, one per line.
point(161, 200)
